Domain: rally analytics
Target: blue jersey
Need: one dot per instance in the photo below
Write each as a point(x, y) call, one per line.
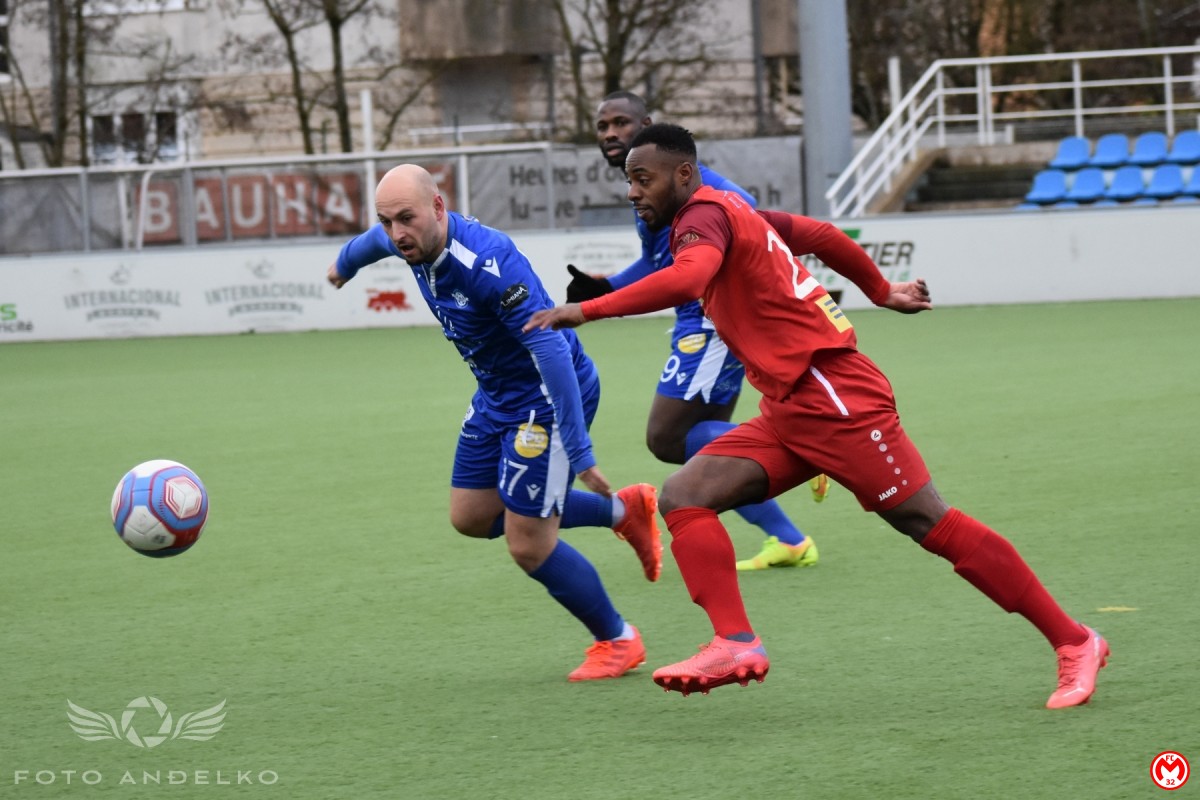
point(482, 290)
point(656, 252)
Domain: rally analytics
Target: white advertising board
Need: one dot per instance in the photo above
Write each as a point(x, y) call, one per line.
point(213, 290)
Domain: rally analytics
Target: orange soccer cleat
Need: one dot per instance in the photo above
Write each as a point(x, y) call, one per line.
point(611, 658)
point(639, 527)
point(1078, 666)
point(720, 662)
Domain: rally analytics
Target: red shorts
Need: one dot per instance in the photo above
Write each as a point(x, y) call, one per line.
point(840, 420)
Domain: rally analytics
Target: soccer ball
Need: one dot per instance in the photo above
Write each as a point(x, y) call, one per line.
point(159, 508)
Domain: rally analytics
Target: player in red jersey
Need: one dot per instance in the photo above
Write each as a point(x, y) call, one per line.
point(826, 408)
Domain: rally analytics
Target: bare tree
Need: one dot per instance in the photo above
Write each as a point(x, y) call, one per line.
point(922, 31)
point(265, 52)
point(311, 87)
point(658, 48)
point(82, 34)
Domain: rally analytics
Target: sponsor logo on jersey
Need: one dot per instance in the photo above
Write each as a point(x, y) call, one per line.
point(834, 313)
point(693, 343)
point(514, 295)
point(532, 440)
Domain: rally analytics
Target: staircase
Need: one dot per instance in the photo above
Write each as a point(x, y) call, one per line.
point(947, 187)
point(965, 178)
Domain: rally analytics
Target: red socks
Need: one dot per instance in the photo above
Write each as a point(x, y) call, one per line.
point(987, 561)
point(984, 558)
point(705, 557)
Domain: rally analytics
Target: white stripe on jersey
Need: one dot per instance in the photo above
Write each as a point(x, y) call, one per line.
point(804, 289)
point(709, 368)
point(557, 471)
point(829, 388)
point(460, 251)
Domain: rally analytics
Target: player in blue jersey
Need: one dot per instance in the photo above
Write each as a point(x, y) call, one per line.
point(701, 380)
point(525, 434)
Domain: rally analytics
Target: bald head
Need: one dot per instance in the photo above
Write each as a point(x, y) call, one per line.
point(406, 180)
point(413, 213)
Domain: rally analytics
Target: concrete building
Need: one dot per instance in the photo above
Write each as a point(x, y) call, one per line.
point(200, 79)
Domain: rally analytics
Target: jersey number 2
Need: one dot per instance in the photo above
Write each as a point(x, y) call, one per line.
point(803, 288)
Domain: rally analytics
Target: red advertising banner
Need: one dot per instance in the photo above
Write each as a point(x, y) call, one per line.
point(254, 207)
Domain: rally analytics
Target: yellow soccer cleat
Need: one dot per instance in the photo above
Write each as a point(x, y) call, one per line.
point(775, 553)
point(820, 487)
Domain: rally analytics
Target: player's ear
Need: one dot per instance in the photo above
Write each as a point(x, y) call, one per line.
point(439, 206)
point(685, 171)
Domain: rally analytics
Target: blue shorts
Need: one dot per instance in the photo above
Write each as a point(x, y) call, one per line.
point(523, 457)
point(700, 364)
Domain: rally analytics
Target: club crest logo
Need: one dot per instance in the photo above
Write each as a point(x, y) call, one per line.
point(149, 713)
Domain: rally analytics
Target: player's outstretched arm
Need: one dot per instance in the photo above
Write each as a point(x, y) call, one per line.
point(364, 249)
point(908, 297)
point(566, 316)
point(333, 277)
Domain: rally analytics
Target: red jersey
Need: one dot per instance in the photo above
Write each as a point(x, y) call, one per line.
point(770, 311)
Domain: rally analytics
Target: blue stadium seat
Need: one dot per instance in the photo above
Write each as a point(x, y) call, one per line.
point(1127, 183)
point(1145, 201)
point(1111, 151)
point(1149, 149)
point(1088, 186)
point(1073, 153)
point(1192, 187)
point(1049, 186)
point(1185, 149)
point(1186, 198)
point(1065, 204)
point(1166, 182)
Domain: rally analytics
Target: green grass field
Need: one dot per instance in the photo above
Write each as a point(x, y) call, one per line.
point(365, 650)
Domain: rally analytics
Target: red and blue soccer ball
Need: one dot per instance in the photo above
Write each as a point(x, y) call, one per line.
point(159, 508)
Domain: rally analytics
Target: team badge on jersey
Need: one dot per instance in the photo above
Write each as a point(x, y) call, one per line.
point(514, 295)
point(693, 343)
point(532, 440)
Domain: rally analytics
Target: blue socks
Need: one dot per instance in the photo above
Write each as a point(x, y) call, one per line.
point(581, 510)
point(574, 583)
point(587, 510)
point(768, 515)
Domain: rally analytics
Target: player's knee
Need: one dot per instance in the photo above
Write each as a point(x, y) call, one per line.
point(918, 515)
point(666, 446)
point(470, 525)
point(676, 493)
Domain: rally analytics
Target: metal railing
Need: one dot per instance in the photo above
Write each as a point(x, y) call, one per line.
point(107, 207)
point(988, 95)
point(459, 133)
